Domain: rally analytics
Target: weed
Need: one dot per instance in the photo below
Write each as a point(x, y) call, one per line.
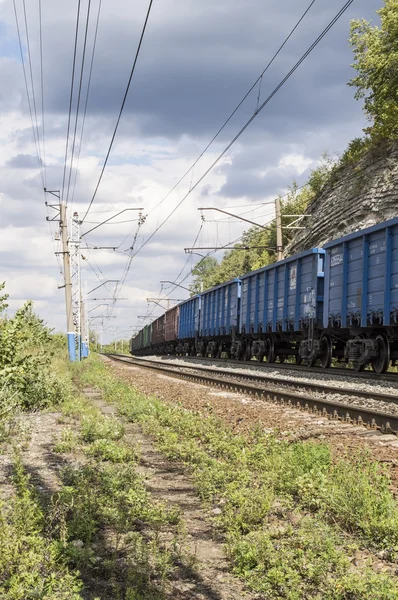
point(307, 562)
point(31, 565)
point(109, 450)
point(67, 442)
point(98, 427)
point(257, 480)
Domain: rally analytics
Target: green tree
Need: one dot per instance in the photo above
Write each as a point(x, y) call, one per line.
point(376, 62)
point(262, 242)
point(26, 351)
point(203, 272)
point(3, 298)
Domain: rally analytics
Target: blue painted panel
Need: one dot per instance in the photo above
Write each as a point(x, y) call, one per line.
point(188, 324)
point(367, 285)
point(219, 309)
point(280, 291)
point(297, 295)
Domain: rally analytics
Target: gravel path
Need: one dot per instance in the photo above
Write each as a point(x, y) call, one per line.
point(204, 574)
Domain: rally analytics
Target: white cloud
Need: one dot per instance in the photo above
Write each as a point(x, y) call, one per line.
point(197, 61)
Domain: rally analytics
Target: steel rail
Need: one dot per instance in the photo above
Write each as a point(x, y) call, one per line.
point(356, 415)
point(392, 377)
point(250, 376)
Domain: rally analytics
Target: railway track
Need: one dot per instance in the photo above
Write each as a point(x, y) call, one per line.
point(353, 406)
point(345, 371)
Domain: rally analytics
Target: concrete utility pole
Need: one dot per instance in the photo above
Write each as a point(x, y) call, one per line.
point(84, 325)
point(76, 284)
point(279, 239)
point(67, 284)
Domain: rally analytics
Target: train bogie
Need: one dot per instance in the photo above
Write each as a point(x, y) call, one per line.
point(188, 326)
point(340, 301)
point(361, 295)
point(219, 318)
point(281, 308)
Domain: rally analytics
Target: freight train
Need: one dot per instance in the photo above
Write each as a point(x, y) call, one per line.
point(339, 301)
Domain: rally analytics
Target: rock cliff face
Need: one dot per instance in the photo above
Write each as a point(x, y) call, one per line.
point(356, 197)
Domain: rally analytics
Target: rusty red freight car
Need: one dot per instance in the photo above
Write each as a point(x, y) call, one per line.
point(171, 329)
point(158, 335)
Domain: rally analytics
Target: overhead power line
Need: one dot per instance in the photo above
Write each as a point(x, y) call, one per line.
point(42, 93)
point(249, 121)
point(71, 97)
point(121, 108)
point(87, 97)
point(78, 97)
point(259, 78)
point(34, 131)
point(31, 79)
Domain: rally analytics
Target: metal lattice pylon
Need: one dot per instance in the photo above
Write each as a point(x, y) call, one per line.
point(74, 244)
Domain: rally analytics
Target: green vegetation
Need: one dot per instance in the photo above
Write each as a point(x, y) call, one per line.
point(293, 515)
point(27, 364)
point(237, 262)
point(376, 62)
point(32, 564)
point(104, 519)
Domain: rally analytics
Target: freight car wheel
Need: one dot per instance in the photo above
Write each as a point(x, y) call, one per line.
point(270, 351)
point(326, 352)
point(381, 363)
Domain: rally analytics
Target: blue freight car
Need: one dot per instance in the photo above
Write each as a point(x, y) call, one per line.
point(188, 326)
point(361, 296)
point(219, 318)
point(281, 309)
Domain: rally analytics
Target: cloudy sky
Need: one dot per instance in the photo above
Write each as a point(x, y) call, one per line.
point(197, 61)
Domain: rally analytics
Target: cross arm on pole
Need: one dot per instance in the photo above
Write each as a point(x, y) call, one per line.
point(107, 220)
point(103, 283)
point(177, 284)
point(232, 215)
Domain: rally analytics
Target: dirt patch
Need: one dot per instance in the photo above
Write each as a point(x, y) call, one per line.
point(38, 458)
point(204, 575)
point(242, 413)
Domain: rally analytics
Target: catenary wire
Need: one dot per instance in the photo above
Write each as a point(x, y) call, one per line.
point(121, 108)
point(120, 284)
point(27, 90)
point(31, 78)
point(259, 78)
point(78, 97)
point(42, 94)
point(71, 98)
point(86, 101)
point(249, 121)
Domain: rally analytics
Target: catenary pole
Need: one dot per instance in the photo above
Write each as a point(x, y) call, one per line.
point(279, 242)
point(74, 243)
point(67, 283)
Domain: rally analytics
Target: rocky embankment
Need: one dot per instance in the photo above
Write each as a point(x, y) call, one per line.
point(357, 196)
